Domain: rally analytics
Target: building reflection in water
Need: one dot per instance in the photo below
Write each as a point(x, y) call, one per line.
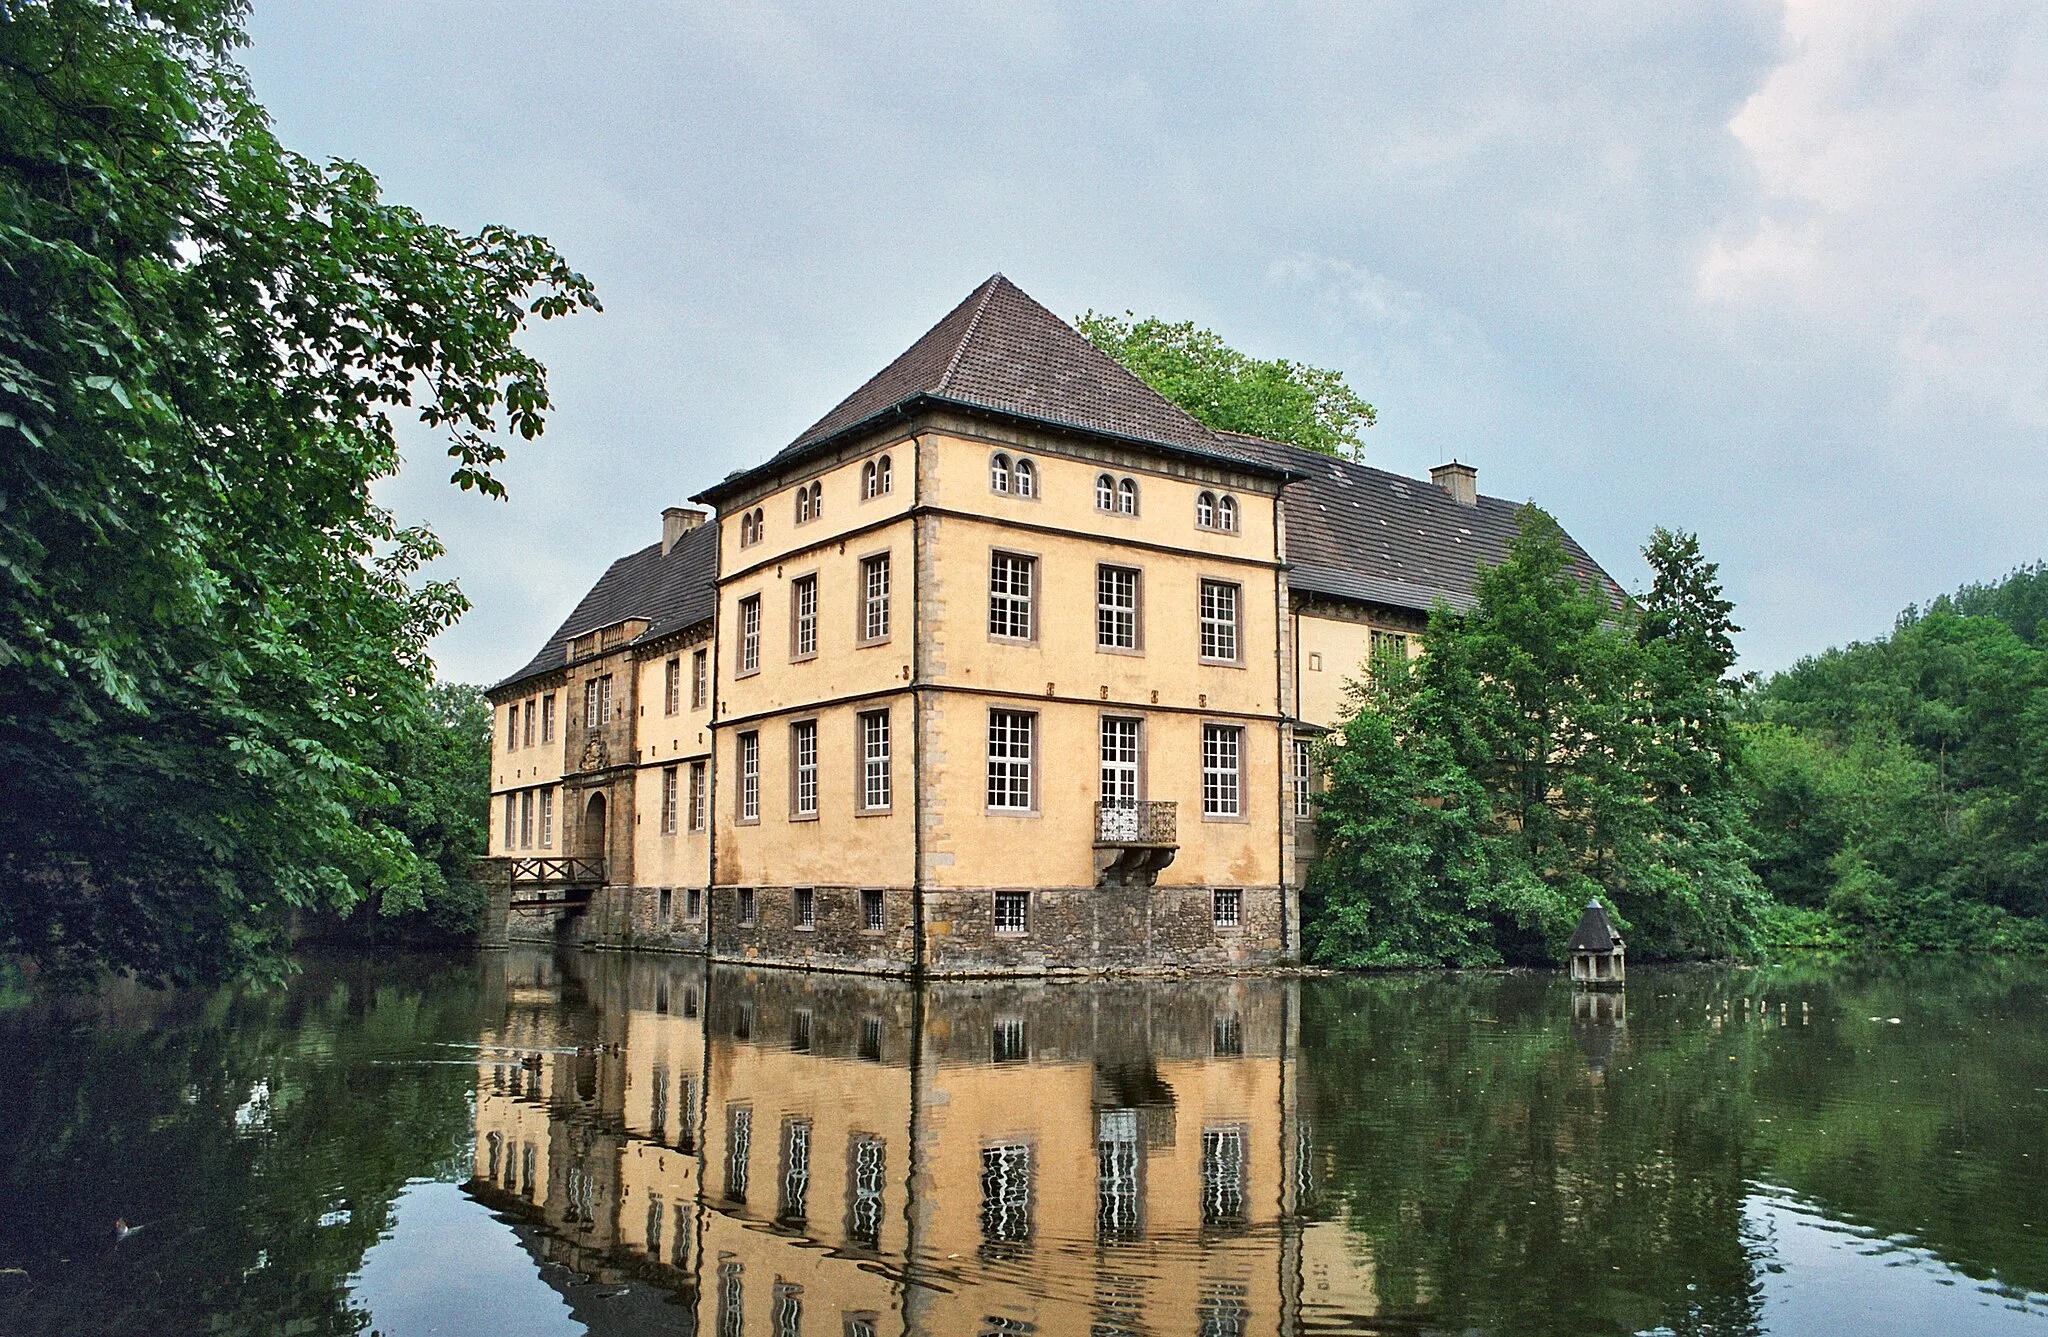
point(813, 1154)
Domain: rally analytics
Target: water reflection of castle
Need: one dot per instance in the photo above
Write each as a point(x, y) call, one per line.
point(823, 1154)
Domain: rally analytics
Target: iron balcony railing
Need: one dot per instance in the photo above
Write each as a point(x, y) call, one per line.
point(1146, 823)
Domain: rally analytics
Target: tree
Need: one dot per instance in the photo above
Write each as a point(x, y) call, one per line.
point(1548, 748)
point(1310, 407)
point(211, 640)
point(1900, 786)
point(442, 774)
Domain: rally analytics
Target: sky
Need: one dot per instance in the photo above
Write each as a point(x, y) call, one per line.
point(1774, 273)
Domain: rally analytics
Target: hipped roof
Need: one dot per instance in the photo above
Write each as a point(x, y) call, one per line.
point(1002, 352)
point(673, 591)
point(1354, 533)
point(1594, 933)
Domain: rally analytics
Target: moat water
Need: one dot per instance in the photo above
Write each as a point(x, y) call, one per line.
point(517, 1143)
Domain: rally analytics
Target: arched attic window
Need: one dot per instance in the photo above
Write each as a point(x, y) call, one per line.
point(1226, 514)
point(999, 473)
point(1127, 497)
point(1205, 510)
point(1105, 492)
point(1026, 483)
point(883, 474)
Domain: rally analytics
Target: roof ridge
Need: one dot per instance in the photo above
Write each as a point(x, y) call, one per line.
point(988, 292)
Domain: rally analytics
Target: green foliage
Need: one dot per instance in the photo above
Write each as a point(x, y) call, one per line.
point(1901, 785)
point(442, 770)
point(211, 641)
point(1310, 407)
point(1549, 748)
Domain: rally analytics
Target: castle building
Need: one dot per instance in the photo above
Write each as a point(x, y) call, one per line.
point(1005, 665)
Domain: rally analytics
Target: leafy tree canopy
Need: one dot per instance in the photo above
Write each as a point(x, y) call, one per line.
point(1310, 407)
point(1549, 747)
point(1900, 786)
point(212, 643)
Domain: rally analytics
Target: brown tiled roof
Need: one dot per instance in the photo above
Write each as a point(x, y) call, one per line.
point(1364, 534)
point(673, 592)
point(1003, 352)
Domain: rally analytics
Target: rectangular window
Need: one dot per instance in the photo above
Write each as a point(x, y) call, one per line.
point(527, 727)
point(512, 727)
point(1223, 1176)
point(604, 699)
point(804, 907)
point(1388, 656)
point(1219, 620)
point(1222, 749)
point(746, 900)
point(526, 820)
point(1116, 608)
point(698, 795)
point(667, 909)
point(1119, 787)
point(693, 906)
point(547, 718)
point(1010, 581)
point(803, 768)
point(1009, 759)
point(1226, 1035)
point(739, 1138)
point(1013, 912)
point(547, 817)
point(672, 685)
point(590, 703)
point(750, 777)
point(750, 635)
point(866, 1160)
point(669, 777)
point(1302, 779)
point(1006, 1193)
point(803, 617)
point(700, 679)
point(874, 584)
point(1118, 1164)
point(871, 911)
point(1009, 1042)
point(511, 821)
point(1228, 906)
point(875, 782)
point(796, 1169)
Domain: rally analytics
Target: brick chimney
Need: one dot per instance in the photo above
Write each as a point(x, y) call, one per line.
point(1460, 480)
point(677, 521)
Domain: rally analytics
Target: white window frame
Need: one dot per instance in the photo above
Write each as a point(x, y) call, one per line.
point(700, 678)
point(749, 648)
point(700, 786)
point(547, 817)
point(1226, 907)
point(1024, 479)
point(874, 598)
point(877, 784)
point(1127, 496)
point(672, 685)
point(1216, 628)
point(999, 473)
point(1007, 603)
point(1222, 772)
point(803, 614)
point(547, 718)
point(1105, 494)
point(1012, 772)
point(1120, 756)
point(803, 769)
point(1304, 775)
point(749, 795)
point(670, 783)
point(1119, 595)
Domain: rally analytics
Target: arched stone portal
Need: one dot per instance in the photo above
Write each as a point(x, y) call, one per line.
point(592, 837)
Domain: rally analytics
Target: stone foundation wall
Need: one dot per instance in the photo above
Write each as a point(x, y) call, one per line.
point(837, 940)
point(1112, 928)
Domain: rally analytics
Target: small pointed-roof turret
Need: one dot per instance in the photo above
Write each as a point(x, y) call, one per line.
point(1595, 932)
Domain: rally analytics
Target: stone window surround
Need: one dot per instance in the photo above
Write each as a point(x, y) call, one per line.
point(1031, 601)
point(1137, 646)
point(797, 582)
point(861, 807)
point(868, 562)
point(1243, 813)
point(797, 813)
point(1202, 584)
